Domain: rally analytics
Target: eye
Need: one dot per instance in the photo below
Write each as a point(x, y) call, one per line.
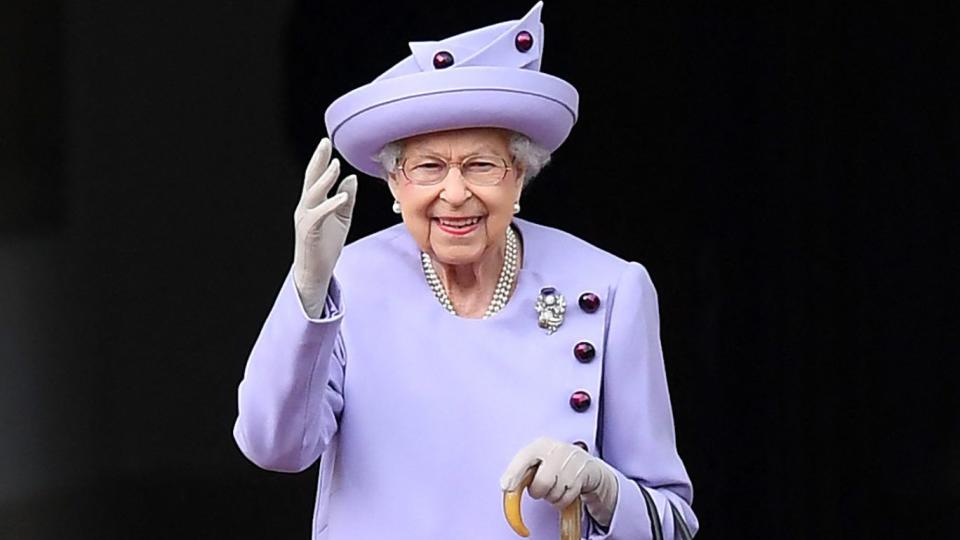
point(428, 166)
point(482, 165)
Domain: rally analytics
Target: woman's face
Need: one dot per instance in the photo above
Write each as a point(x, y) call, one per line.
point(455, 221)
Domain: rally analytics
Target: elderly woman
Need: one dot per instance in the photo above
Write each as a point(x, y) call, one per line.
point(465, 353)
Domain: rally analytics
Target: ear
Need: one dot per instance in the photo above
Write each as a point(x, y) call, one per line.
point(521, 177)
point(392, 183)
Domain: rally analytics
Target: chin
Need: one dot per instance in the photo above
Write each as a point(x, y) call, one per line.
point(458, 255)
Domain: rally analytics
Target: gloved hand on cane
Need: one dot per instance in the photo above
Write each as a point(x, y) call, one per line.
point(562, 473)
point(321, 225)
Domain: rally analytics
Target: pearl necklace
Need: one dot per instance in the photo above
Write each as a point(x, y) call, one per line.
point(508, 274)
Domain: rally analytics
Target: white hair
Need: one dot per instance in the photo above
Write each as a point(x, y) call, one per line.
point(531, 156)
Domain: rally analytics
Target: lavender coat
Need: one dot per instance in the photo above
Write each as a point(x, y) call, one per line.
point(416, 413)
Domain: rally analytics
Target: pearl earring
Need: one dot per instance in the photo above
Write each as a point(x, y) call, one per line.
point(516, 207)
point(396, 206)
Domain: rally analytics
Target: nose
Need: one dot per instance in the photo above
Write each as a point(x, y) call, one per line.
point(455, 190)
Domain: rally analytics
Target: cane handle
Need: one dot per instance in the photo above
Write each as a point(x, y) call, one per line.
point(570, 517)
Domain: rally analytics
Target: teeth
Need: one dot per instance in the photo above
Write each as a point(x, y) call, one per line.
point(460, 222)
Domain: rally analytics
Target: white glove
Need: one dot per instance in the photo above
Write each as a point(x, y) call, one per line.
point(321, 226)
point(565, 472)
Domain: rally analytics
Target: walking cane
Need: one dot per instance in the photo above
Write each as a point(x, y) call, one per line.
point(569, 517)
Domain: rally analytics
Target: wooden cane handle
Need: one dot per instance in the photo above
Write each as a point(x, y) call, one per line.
point(570, 517)
point(570, 521)
point(511, 503)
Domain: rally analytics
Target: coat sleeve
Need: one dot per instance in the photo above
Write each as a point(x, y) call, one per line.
point(638, 438)
point(291, 395)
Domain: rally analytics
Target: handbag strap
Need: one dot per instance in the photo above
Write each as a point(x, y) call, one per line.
point(652, 513)
point(655, 529)
point(681, 523)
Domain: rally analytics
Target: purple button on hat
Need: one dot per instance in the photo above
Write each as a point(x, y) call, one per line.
point(489, 77)
point(524, 41)
point(442, 59)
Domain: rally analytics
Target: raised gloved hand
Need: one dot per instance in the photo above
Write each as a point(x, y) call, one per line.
point(565, 472)
point(321, 226)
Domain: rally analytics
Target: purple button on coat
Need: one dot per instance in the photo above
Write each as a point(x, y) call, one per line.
point(415, 413)
point(589, 302)
point(584, 351)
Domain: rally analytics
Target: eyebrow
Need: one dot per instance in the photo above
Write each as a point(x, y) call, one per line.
point(481, 150)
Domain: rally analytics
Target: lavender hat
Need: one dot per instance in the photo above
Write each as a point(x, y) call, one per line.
point(489, 77)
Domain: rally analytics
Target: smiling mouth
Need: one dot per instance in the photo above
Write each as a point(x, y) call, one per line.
point(459, 222)
point(458, 225)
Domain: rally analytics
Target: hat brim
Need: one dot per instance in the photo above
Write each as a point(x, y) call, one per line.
point(538, 105)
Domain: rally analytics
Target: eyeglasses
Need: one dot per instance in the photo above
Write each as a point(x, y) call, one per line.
point(477, 170)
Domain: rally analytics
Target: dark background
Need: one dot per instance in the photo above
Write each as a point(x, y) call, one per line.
point(783, 172)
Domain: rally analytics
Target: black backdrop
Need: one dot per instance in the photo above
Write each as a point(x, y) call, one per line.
point(783, 172)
